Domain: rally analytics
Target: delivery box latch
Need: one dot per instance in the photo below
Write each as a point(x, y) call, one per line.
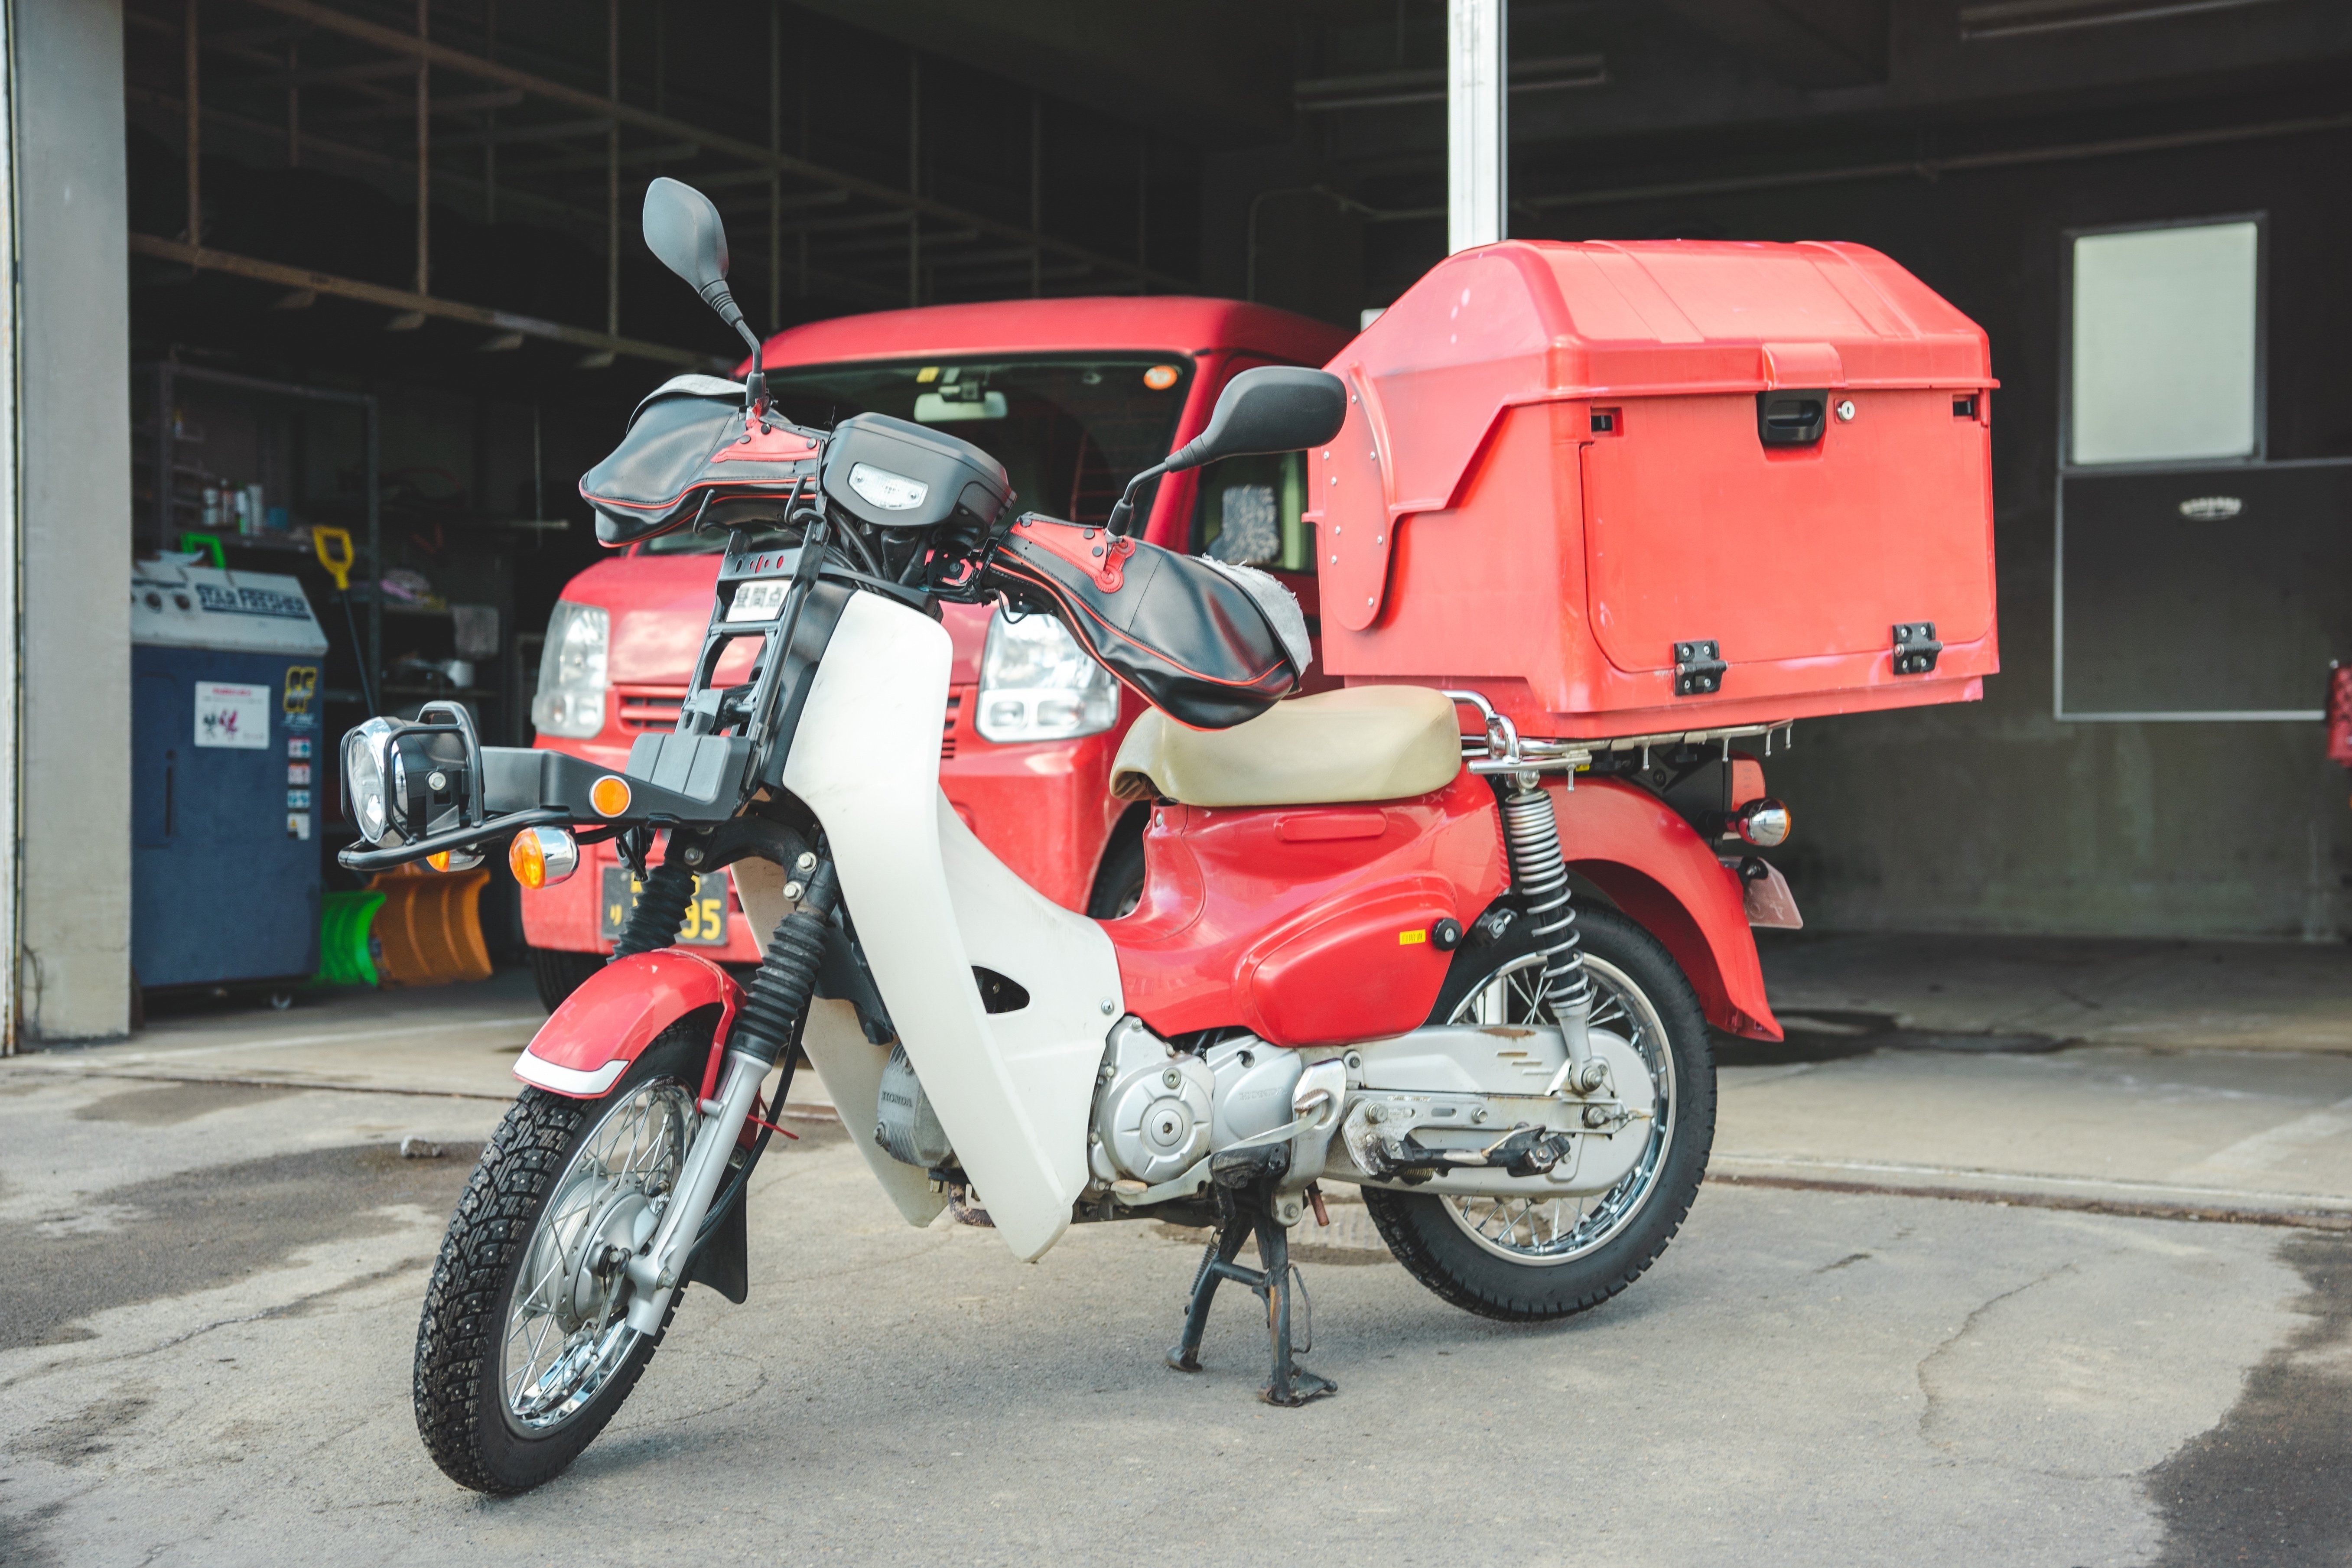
point(1698, 668)
point(1916, 648)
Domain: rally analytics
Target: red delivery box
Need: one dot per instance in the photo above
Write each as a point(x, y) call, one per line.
point(1651, 488)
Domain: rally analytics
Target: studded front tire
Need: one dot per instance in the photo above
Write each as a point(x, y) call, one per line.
point(552, 1165)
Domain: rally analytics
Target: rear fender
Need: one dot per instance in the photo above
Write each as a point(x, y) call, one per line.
point(1636, 848)
point(589, 1042)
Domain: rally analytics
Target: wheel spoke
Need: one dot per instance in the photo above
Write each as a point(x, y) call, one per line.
point(1545, 1229)
point(617, 1164)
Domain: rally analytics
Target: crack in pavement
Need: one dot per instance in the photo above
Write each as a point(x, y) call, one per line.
point(293, 1308)
point(1930, 1400)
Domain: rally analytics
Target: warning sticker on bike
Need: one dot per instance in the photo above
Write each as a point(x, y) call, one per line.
point(706, 917)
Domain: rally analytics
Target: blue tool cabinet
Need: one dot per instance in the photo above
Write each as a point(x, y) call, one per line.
point(229, 774)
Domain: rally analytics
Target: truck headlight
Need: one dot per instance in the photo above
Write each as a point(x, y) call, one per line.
point(1037, 684)
point(570, 699)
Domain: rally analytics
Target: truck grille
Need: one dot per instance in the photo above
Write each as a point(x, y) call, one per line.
point(647, 710)
point(653, 709)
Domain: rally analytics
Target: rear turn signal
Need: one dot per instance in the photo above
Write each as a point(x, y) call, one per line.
point(1764, 823)
point(542, 856)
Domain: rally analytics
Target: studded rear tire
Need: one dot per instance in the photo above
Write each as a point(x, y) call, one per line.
point(462, 1406)
point(1514, 1274)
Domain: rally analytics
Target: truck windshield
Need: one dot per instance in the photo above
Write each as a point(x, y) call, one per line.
point(1069, 431)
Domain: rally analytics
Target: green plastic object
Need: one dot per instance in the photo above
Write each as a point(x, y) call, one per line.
point(344, 923)
point(211, 541)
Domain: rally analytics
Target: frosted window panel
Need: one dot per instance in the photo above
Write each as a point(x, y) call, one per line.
point(2164, 344)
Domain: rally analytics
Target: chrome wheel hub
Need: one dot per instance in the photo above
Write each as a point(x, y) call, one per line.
point(566, 1329)
point(1554, 1230)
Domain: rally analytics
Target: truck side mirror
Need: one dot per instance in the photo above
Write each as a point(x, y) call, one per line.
point(683, 229)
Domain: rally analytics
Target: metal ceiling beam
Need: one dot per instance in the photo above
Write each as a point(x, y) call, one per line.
point(400, 299)
point(1806, 43)
point(441, 54)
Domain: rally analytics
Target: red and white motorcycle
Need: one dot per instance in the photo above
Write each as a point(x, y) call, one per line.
point(1355, 958)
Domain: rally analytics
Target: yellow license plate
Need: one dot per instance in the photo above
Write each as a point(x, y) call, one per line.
point(706, 917)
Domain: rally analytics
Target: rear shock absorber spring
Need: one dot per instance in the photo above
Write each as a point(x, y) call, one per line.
point(662, 903)
point(1540, 876)
point(780, 992)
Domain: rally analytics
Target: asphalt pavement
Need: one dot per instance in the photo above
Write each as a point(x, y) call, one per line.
point(2053, 1307)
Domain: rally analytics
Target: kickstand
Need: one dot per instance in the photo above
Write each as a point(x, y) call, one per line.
point(1241, 1212)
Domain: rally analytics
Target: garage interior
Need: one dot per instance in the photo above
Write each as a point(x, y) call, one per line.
point(375, 267)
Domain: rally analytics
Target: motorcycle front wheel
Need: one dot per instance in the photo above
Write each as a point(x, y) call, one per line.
point(1532, 1259)
point(524, 1352)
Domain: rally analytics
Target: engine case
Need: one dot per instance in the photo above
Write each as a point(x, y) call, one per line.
point(1152, 1116)
point(907, 1127)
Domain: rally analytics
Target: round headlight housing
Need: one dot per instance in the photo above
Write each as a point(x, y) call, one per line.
point(370, 790)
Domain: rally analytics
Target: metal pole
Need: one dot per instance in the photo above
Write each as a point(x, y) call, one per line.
point(914, 176)
point(1477, 122)
point(293, 106)
point(775, 182)
point(196, 138)
point(1142, 203)
point(613, 170)
point(167, 453)
point(1036, 191)
point(423, 152)
point(801, 107)
point(490, 121)
point(374, 681)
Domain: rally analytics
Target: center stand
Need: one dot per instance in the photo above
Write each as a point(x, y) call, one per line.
point(1245, 1181)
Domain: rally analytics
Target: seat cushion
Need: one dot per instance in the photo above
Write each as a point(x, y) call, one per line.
point(1366, 742)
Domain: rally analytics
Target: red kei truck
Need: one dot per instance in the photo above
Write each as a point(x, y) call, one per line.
point(1072, 396)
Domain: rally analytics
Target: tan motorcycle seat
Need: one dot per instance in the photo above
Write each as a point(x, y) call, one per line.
point(1366, 742)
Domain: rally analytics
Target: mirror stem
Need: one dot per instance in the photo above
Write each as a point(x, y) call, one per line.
point(1122, 516)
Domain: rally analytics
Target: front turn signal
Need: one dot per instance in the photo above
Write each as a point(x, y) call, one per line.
point(1764, 823)
point(454, 860)
point(542, 856)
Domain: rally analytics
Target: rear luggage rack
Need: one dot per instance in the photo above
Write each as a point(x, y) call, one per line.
point(1502, 750)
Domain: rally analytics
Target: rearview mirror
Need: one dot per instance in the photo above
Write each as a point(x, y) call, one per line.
point(683, 229)
point(1274, 408)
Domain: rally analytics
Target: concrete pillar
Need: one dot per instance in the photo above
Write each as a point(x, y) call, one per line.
point(71, 610)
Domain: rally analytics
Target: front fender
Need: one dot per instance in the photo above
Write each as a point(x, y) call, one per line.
point(589, 1042)
point(1634, 847)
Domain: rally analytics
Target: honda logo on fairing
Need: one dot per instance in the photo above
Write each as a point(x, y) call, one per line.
point(2212, 508)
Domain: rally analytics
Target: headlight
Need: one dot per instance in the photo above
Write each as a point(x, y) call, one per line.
point(1037, 684)
point(365, 787)
point(888, 491)
point(570, 700)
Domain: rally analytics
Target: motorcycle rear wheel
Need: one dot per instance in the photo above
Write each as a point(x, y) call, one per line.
point(524, 1353)
point(1527, 1261)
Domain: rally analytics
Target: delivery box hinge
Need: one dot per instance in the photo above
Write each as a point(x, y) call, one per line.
point(1916, 648)
point(1698, 668)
